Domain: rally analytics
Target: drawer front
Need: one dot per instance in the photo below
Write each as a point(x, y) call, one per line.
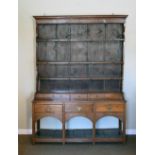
point(78, 96)
point(52, 96)
point(48, 108)
point(113, 96)
point(44, 102)
point(96, 96)
point(109, 107)
point(76, 107)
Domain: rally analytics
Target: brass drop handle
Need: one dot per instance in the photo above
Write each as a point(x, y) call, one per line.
point(109, 108)
point(48, 109)
point(79, 108)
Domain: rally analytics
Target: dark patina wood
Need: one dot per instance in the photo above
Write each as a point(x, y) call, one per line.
point(79, 73)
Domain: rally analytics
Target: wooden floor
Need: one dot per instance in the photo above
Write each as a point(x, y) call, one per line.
point(27, 148)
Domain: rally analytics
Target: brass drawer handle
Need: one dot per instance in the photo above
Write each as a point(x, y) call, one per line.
point(79, 108)
point(109, 108)
point(48, 109)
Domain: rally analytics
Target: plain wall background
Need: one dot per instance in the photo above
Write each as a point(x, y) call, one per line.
point(26, 62)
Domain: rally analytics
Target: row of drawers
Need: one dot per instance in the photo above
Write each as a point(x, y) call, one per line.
point(89, 96)
point(79, 107)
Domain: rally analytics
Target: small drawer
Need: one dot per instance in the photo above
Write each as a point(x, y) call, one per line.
point(53, 96)
point(47, 108)
point(47, 102)
point(97, 96)
point(78, 96)
point(78, 107)
point(113, 96)
point(101, 107)
point(60, 96)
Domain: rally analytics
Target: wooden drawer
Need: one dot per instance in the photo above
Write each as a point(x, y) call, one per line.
point(52, 96)
point(95, 96)
point(105, 96)
point(102, 107)
point(48, 108)
point(46, 102)
point(113, 96)
point(78, 96)
point(78, 107)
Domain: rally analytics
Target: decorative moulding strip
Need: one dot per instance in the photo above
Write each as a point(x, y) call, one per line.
point(80, 19)
point(80, 16)
point(29, 131)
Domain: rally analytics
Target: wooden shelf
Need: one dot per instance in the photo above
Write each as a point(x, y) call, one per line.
point(78, 133)
point(78, 62)
point(76, 40)
point(84, 78)
point(79, 92)
point(47, 133)
point(108, 133)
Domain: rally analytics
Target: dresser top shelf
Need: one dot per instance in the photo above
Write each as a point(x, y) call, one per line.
point(81, 19)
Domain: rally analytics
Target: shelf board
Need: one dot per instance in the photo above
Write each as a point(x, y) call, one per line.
point(49, 133)
point(76, 40)
point(84, 78)
point(79, 92)
point(77, 62)
point(108, 133)
point(78, 133)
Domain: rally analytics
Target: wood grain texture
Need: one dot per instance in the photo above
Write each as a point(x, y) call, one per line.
point(81, 19)
point(64, 108)
point(79, 107)
point(46, 51)
point(80, 73)
point(47, 108)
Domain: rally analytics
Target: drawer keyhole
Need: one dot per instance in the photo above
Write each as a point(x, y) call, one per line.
point(48, 109)
point(79, 108)
point(109, 108)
